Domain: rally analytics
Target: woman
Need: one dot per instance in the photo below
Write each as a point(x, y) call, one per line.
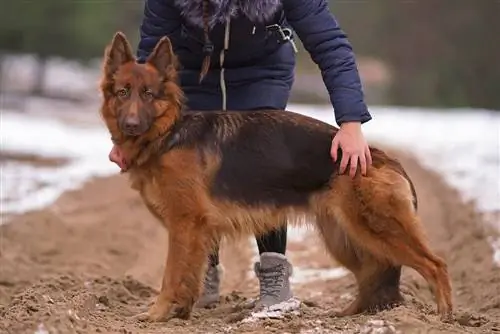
point(240, 55)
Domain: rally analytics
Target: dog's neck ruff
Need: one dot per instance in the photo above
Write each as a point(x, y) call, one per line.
point(220, 11)
point(146, 150)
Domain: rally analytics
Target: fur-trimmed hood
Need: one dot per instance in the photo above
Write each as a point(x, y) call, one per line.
point(220, 10)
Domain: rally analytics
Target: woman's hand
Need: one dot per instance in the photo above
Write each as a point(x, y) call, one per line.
point(354, 148)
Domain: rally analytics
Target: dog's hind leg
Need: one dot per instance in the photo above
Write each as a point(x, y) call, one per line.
point(378, 288)
point(378, 215)
point(378, 283)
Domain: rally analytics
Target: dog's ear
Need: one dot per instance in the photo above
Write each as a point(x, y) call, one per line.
point(117, 53)
point(163, 58)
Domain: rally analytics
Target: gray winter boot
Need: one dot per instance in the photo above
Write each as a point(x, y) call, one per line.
point(273, 272)
point(210, 295)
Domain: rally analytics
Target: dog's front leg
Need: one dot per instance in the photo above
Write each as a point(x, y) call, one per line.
point(183, 274)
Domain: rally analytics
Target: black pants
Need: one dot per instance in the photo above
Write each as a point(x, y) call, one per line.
point(274, 241)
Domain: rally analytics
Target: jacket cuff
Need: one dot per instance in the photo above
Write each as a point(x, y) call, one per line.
point(352, 113)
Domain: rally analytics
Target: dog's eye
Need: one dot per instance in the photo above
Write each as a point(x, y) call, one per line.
point(148, 93)
point(122, 92)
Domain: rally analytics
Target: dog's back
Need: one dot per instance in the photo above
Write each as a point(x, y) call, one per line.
point(272, 157)
point(268, 156)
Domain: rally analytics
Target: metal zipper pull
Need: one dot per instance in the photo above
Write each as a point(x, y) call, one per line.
point(286, 33)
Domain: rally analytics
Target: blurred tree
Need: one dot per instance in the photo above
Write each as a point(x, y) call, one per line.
point(64, 28)
point(442, 53)
point(43, 28)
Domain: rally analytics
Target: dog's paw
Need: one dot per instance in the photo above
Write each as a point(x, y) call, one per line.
point(141, 317)
point(155, 314)
point(445, 312)
point(353, 309)
point(164, 312)
point(447, 316)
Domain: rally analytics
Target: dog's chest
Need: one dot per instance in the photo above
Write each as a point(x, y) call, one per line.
point(150, 191)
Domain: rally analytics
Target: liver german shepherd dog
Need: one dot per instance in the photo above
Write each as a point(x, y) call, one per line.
point(208, 175)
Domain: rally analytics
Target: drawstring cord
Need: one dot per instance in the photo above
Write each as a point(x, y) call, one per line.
point(221, 59)
point(208, 49)
point(208, 46)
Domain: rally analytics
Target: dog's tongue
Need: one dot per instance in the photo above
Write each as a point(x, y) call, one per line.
point(123, 165)
point(116, 156)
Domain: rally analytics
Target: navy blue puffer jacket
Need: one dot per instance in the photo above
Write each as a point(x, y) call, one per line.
point(259, 61)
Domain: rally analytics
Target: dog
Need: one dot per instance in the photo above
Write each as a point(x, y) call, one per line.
point(208, 175)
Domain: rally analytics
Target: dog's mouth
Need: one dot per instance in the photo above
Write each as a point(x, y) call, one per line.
point(133, 132)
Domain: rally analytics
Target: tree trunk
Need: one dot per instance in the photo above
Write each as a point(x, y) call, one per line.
point(40, 76)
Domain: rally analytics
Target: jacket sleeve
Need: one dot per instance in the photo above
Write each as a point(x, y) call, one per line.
point(161, 18)
point(330, 49)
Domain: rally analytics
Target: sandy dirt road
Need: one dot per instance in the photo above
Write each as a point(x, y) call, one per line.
point(93, 259)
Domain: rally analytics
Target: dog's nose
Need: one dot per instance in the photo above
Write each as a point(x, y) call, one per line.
point(132, 124)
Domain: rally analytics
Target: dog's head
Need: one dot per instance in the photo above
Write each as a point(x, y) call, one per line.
point(140, 100)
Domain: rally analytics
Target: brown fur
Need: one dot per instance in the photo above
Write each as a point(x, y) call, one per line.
point(369, 223)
